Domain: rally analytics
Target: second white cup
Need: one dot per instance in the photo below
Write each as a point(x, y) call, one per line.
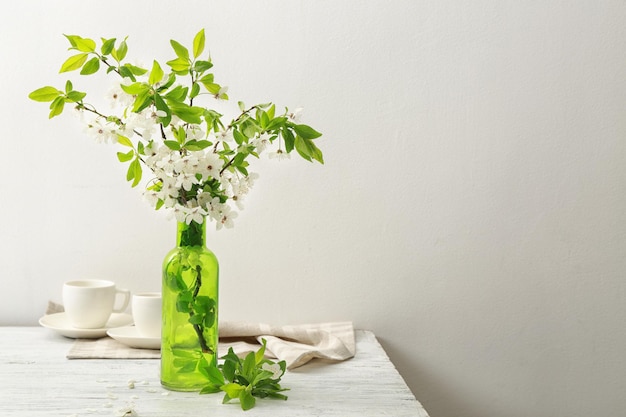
point(146, 308)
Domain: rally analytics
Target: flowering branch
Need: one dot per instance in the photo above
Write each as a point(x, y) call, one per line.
point(199, 163)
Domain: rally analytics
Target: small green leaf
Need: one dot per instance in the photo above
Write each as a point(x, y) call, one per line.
point(45, 94)
point(260, 354)
point(156, 74)
point(143, 100)
point(195, 90)
point(178, 93)
point(125, 157)
point(179, 65)
point(123, 140)
point(201, 66)
point(56, 107)
point(72, 39)
point(130, 173)
point(187, 113)
point(215, 376)
point(138, 172)
point(120, 53)
point(92, 66)
point(135, 88)
point(84, 44)
point(134, 69)
point(232, 389)
point(210, 389)
point(74, 62)
point(246, 400)
point(188, 368)
point(107, 46)
point(307, 132)
point(307, 149)
point(198, 43)
point(75, 96)
point(249, 366)
point(180, 50)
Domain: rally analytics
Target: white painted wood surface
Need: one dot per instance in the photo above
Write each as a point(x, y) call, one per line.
point(36, 379)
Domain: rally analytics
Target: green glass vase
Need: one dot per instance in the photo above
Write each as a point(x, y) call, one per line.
point(189, 333)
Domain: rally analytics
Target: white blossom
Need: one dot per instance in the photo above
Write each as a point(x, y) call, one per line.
point(274, 368)
point(102, 131)
point(295, 115)
point(279, 154)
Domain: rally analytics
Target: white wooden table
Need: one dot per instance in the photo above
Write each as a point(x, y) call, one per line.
point(36, 379)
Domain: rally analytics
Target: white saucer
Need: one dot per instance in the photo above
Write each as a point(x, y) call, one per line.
point(130, 337)
point(60, 323)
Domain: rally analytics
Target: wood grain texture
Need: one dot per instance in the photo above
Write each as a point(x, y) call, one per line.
point(36, 379)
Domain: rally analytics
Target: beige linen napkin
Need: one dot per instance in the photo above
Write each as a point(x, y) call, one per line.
point(295, 344)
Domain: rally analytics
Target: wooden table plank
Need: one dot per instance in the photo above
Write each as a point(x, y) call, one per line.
point(36, 379)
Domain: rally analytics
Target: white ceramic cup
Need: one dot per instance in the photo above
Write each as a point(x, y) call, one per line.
point(89, 302)
point(147, 313)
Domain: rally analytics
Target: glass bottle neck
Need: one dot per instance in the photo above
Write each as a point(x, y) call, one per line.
point(193, 234)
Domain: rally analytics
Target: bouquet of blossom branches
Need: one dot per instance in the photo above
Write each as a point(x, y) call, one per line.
point(198, 161)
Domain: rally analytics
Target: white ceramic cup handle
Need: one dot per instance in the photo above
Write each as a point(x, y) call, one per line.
point(126, 295)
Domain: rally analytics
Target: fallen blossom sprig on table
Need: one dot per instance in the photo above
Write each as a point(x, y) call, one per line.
point(246, 379)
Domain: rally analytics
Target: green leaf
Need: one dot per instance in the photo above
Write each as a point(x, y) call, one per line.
point(232, 389)
point(120, 53)
point(198, 43)
point(210, 389)
point(187, 113)
point(92, 66)
point(161, 105)
point(197, 145)
point(123, 140)
point(178, 93)
point(180, 50)
point(188, 368)
point(134, 69)
point(201, 66)
point(208, 79)
point(179, 65)
point(156, 74)
point(135, 88)
point(249, 366)
point(143, 100)
point(138, 171)
point(307, 149)
point(125, 72)
point(45, 94)
point(56, 107)
point(75, 96)
point(195, 90)
point(239, 137)
point(307, 132)
point(72, 39)
point(84, 44)
point(260, 354)
point(289, 139)
point(246, 400)
point(125, 157)
point(74, 62)
point(215, 376)
point(107, 46)
point(134, 172)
